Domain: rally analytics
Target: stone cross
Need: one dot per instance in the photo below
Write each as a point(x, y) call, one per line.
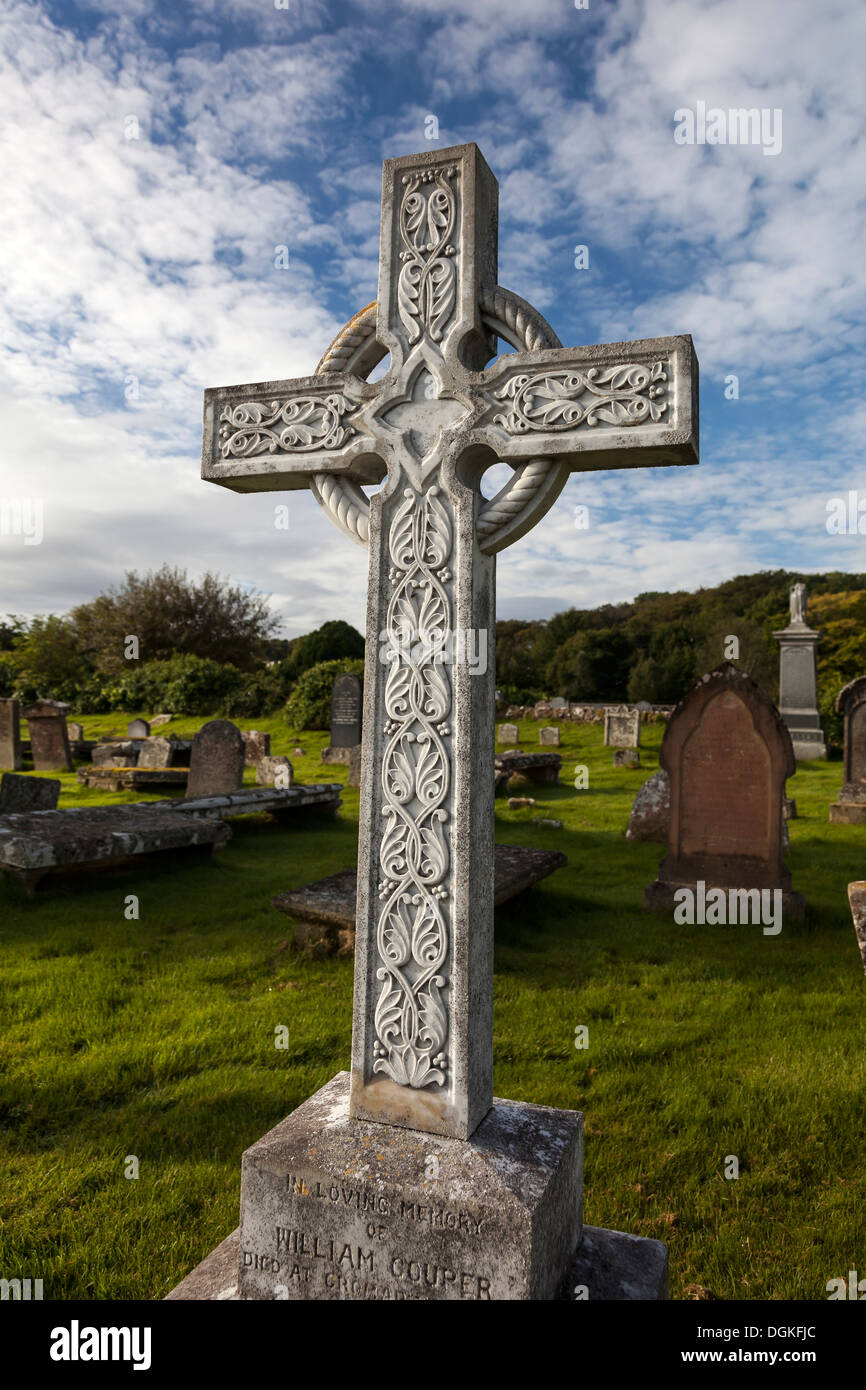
point(422, 1051)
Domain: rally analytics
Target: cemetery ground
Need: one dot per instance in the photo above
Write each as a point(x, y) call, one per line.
point(155, 1038)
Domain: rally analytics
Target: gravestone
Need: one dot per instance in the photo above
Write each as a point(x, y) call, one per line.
point(626, 757)
point(75, 731)
point(49, 738)
point(19, 795)
point(727, 754)
point(650, 813)
point(256, 746)
point(138, 728)
point(346, 703)
point(216, 764)
point(857, 901)
point(850, 809)
point(558, 702)
point(508, 733)
point(509, 1174)
point(798, 680)
point(274, 771)
point(156, 752)
point(10, 736)
point(120, 753)
point(159, 719)
point(550, 737)
point(622, 728)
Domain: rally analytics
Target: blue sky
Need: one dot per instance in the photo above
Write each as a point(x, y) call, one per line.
point(155, 155)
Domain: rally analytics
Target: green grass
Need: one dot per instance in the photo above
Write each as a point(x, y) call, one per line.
point(156, 1038)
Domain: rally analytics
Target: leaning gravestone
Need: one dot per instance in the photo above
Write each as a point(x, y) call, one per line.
point(49, 738)
point(346, 710)
point(622, 728)
point(550, 736)
point(798, 680)
point(10, 735)
point(651, 811)
point(138, 728)
point(727, 754)
point(20, 795)
point(502, 1217)
point(850, 809)
point(216, 764)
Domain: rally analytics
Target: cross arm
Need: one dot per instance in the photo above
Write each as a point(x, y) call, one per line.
point(616, 405)
point(276, 435)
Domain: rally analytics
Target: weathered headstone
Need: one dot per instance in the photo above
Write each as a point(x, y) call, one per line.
point(850, 809)
point(256, 746)
point(508, 733)
point(650, 813)
point(622, 728)
point(558, 702)
point(156, 752)
point(857, 901)
point(626, 757)
point(19, 795)
point(550, 736)
point(346, 704)
point(509, 1175)
point(138, 728)
point(121, 753)
point(75, 731)
point(727, 754)
point(274, 771)
point(216, 763)
point(10, 735)
point(49, 739)
point(798, 680)
point(159, 719)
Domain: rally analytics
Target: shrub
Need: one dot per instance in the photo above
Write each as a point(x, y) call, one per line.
point(309, 706)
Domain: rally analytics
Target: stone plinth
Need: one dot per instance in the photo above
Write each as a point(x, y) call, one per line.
point(49, 739)
point(10, 736)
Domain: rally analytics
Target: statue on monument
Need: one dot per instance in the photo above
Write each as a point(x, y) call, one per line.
point(798, 604)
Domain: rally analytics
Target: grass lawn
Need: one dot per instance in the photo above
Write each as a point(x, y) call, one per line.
point(155, 1038)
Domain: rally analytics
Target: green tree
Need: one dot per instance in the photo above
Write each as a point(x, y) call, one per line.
point(333, 641)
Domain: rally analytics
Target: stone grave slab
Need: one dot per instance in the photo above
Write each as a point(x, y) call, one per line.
point(11, 753)
point(850, 809)
point(47, 842)
point(508, 733)
point(326, 909)
point(256, 746)
point(550, 736)
point(727, 754)
point(49, 738)
point(650, 812)
point(274, 770)
point(123, 778)
point(622, 728)
point(19, 793)
point(282, 804)
point(537, 767)
point(115, 753)
point(857, 901)
point(216, 765)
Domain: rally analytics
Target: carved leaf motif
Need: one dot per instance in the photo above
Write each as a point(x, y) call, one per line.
point(401, 539)
point(388, 1008)
point(427, 283)
point(434, 1023)
point(442, 282)
point(625, 394)
point(437, 531)
point(298, 424)
point(397, 934)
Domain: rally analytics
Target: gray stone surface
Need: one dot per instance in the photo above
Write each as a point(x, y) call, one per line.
point(119, 777)
point(798, 680)
point(43, 842)
point(622, 727)
point(343, 756)
point(49, 739)
point(216, 764)
point(508, 733)
point(156, 752)
point(117, 753)
point(614, 1266)
point(626, 757)
point(857, 902)
point(512, 769)
point(338, 1209)
point(325, 909)
point(346, 706)
point(256, 746)
point(274, 771)
point(10, 736)
point(20, 793)
point(550, 736)
point(851, 704)
point(356, 762)
point(282, 803)
point(75, 731)
point(138, 728)
point(651, 810)
point(159, 719)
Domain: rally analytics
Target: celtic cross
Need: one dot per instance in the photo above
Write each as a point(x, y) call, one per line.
point(422, 1050)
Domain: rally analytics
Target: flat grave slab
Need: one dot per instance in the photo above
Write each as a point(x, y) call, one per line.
point(117, 779)
point(326, 908)
point(80, 837)
point(538, 767)
point(250, 801)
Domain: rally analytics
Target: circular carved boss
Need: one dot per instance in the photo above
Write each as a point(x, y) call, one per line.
point(534, 485)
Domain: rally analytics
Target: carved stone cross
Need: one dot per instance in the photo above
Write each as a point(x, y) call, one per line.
point(422, 1051)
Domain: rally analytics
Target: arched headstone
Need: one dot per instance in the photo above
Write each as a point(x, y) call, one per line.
point(216, 763)
point(850, 809)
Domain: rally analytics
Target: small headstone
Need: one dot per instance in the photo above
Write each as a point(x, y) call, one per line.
point(626, 757)
point(256, 746)
point(850, 809)
point(549, 736)
point(857, 900)
point(10, 735)
point(346, 704)
point(75, 731)
point(651, 811)
point(138, 728)
point(216, 764)
point(789, 808)
point(118, 754)
point(558, 702)
point(156, 752)
point(19, 795)
point(509, 733)
point(49, 737)
point(622, 728)
point(159, 719)
point(274, 771)
point(727, 753)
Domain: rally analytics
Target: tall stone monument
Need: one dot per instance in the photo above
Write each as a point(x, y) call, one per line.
point(10, 736)
point(798, 680)
point(850, 809)
point(408, 1179)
